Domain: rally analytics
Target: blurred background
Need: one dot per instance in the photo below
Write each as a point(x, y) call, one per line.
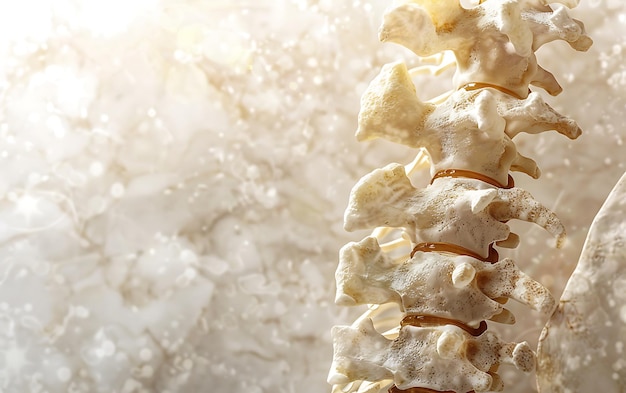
point(173, 176)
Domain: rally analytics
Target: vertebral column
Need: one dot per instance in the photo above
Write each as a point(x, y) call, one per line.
point(453, 279)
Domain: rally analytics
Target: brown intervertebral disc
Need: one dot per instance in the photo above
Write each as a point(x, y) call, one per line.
point(428, 320)
point(454, 249)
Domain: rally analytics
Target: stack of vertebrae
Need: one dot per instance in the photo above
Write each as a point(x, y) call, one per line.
point(452, 280)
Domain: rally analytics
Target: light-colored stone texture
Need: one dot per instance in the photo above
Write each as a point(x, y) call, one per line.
point(465, 212)
point(581, 349)
point(443, 357)
point(470, 130)
point(493, 42)
point(244, 115)
point(437, 284)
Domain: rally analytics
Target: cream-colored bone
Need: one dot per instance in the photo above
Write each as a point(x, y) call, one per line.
point(439, 358)
point(470, 130)
point(567, 3)
point(463, 274)
point(448, 286)
point(533, 116)
point(494, 46)
point(511, 282)
point(551, 24)
point(516, 203)
point(465, 212)
point(451, 132)
point(413, 27)
point(482, 37)
point(449, 344)
point(391, 108)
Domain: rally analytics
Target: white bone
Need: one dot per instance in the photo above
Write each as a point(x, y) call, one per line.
point(549, 25)
point(470, 130)
point(414, 358)
point(411, 25)
point(507, 16)
point(390, 106)
point(507, 280)
point(494, 44)
point(532, 115)
point(463, 274)
point(449, 343)
point(426, 284)
point(446, 211)
point(481, 38)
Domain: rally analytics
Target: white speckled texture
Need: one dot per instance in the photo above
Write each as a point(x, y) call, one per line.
point(174, 173)
point(493, 42)
point(448, 286)
point(390, 109)
point(581, 349)
point(465, 212)
point(443, 357)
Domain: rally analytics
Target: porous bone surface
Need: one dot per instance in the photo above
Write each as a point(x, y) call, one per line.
point(470, 130)
point(465, 212)
point(173, 175)
point(430, 283)
point(493, 43)
point(443, 357)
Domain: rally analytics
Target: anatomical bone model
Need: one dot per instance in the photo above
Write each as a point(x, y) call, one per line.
point(453, 280)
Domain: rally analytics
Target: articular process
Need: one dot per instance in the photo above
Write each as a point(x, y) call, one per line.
point(452, 281)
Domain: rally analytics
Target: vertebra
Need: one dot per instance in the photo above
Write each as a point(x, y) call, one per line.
point(453, 280)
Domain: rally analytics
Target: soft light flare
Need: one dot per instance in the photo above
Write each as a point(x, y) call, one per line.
point(107, 18)
point(27, 206)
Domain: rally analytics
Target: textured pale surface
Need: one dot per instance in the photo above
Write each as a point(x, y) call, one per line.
point(582, 347)
point(390, 109)
point(493, 42)
point(435, 358)
point(448, 286)
point(218, 138)
point(465, 212)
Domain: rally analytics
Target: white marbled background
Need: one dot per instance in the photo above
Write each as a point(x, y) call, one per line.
point(173, 176)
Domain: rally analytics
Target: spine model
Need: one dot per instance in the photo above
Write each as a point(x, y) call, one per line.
point(433, 252)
